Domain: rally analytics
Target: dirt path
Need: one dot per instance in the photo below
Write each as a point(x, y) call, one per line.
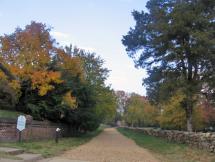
point(109, 146)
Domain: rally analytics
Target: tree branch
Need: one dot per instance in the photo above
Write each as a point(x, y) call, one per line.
point(7, 72)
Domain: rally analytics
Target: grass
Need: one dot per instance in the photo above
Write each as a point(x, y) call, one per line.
point(168, 151)
point(49, 148)
point(8, 156)
point(9, 114)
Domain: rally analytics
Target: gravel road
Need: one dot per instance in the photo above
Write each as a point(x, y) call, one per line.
point(109, 146)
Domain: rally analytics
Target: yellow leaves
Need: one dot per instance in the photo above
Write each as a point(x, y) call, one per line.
point(54, 77)
point(71, 64)
point(140, 111)
point(15, 85)
point(173, 115)
point(2, 75)
point(150, 114)
point(198, 118)
point(42, 80)
point(69, 100)
point(36, 43)
point(31, 47)
point(43, 89)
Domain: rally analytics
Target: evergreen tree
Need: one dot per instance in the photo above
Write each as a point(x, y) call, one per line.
point(175, 41)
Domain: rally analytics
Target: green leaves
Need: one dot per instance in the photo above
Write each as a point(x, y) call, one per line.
point(176, 39)
point(140, 112)
point(62, 84)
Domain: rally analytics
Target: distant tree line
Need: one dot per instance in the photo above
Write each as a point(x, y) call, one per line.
point(137, 111)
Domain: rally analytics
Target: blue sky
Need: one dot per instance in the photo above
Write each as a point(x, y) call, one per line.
point(95, 25)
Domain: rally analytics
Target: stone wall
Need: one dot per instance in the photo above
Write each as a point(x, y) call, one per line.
point(34, 130)
point(195, 139)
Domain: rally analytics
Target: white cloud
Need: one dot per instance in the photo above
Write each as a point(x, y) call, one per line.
point(60, 35)
point(66, 39)
point(62, 38)
point(89, 49)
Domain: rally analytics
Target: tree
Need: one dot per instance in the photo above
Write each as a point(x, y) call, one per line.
point(26, 64)
point(173, 116)
point(26, 54)
point(29, 48)
point(208, 111)
point(106, 105)
point(140, 112)
point(47, 81)
point(122, 98)
point(9, 88)
point(6, 72)
point(175, 40)
point(84, 74)
point(9, 94)
point(25, 58)
point(95, 75)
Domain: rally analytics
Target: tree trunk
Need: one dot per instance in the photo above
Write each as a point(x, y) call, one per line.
point(189, 113)
point(7, 72)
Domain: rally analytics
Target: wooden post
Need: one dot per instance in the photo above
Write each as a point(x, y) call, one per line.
point(56, 137)
point(20, 136)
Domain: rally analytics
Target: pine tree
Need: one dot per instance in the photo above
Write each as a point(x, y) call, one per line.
point(175, 41)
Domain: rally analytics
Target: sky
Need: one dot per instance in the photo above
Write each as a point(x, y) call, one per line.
point(94, 25)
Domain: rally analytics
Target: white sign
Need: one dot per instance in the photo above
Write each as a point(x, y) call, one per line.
point(21, 123)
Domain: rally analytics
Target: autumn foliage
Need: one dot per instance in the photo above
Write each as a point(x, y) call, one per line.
point(139, 112)
point(47, 81)
point(41, 80)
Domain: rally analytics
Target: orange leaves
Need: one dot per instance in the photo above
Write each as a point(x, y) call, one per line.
point(28, 48)
point(37, 45)
point(42, 80)
point(20, 72)
point(69, 100)
point(28, 55)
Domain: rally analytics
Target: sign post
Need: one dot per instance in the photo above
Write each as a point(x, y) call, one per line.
point(21, 122)
point(57, 135)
